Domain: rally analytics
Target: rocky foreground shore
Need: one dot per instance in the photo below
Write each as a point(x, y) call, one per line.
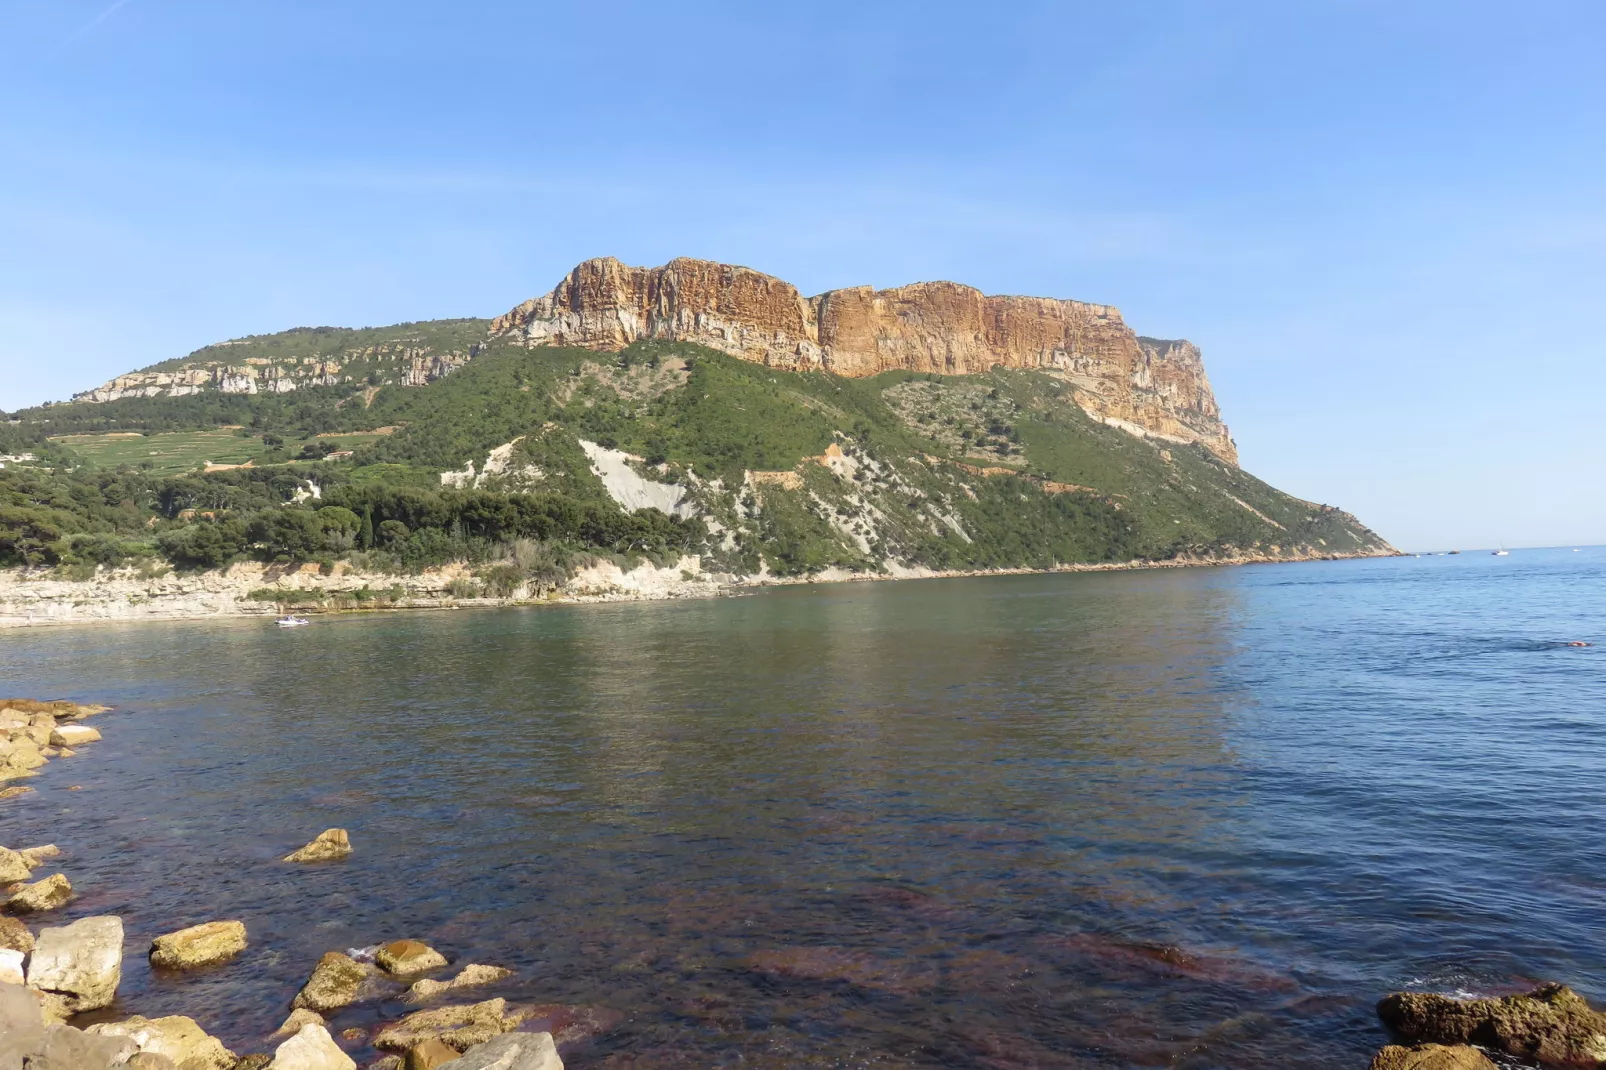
point(49, 976)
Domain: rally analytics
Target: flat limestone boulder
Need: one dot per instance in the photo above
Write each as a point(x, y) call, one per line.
point(512, 1051)
point(1432, 1057)
point(199, 945)
point(66, 1048)
point(81, 962)
point(73, 735)
point(22, 1024)
point(312, 1048)
point(14, 935)
point(40, 896)
point(177, 1037)
point(13, 867)
point(329, 845)
point(405, 957)
point(459, 1027)
point(469, 976)
point(337, 981)
point(1552, 1025)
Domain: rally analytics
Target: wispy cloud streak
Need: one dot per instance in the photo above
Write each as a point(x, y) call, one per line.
point(86, 28)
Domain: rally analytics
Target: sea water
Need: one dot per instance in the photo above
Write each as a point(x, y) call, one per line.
point(1190, 817)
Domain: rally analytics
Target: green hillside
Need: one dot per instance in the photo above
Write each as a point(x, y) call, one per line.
point(789, 473)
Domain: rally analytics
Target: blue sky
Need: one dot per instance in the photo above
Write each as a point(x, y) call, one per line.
point(1384, 223)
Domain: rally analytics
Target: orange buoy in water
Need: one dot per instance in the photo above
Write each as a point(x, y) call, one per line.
point(1575, 642)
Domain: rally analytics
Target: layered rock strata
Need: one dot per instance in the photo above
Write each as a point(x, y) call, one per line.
point(1145, 386)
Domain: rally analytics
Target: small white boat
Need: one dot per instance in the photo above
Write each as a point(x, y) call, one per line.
point(1501, 553)
point(292, 622)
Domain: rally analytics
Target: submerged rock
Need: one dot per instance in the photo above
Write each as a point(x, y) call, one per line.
point(81, 962)
point(459, 1026)
point(469, 976)
point(179, 1038)
point(312, 1048)
point(199, 945)
point(328, 846)
point(512, 1051)
point(14, 935)
point(34, 856)
point(404, 957)
point(1432, 1057)
point(40, 896)
point(15, 789)
point(337, 981)
point(1552, 1025)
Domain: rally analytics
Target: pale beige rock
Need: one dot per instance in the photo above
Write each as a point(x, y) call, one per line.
point(13, 791)
point(199, 945)
point(299, 1017)
point(66, 752)
point(404, 957)
point(36, 898)
point(179, 1038)
point(74, 735)
point(512, 1051)
point(337, 981)
point(13, 866)
point(82, 962)
point(460, 1026)
point(149, 1060)
point(53, 1006)
point(40, 732)
point(327, 846)
point(35, 856)
point(312, 1048)
point(11, 972)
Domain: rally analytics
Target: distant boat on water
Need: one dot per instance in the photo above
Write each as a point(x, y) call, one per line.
point(292, 622)
point(1502, 552)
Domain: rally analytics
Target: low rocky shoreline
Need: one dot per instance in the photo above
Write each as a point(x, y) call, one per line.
point(36, 598)
point(50, 974)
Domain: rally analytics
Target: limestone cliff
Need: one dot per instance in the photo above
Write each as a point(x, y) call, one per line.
point(404, 355)
point(1145, 386)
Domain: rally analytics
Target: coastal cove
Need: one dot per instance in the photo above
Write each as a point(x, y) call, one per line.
point(1189, 817)
point(34, 598)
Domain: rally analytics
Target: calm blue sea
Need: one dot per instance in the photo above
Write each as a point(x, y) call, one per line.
point(1188, 818)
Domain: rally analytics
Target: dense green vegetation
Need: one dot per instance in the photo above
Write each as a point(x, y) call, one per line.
point(987, 471)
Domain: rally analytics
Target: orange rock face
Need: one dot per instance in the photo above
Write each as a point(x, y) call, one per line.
point(1143, 385)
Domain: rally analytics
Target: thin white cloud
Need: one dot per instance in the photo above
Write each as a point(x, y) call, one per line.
point(86, 28)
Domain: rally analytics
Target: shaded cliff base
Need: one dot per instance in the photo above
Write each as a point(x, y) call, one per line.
point(31, 598)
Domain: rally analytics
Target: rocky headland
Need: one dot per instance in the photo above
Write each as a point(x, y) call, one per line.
point(1143, 385)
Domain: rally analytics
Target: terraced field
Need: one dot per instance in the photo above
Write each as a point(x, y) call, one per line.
point(173, 452)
